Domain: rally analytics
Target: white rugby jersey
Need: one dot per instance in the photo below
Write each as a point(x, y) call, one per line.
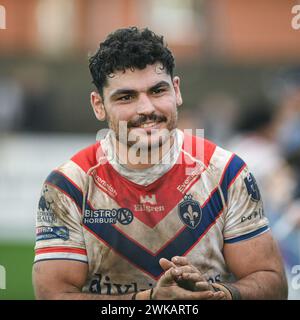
point(121, 222)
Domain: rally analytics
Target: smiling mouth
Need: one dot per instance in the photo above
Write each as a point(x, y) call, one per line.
point(148, 124)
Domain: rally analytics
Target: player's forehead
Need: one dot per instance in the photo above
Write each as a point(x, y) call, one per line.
point(137, 79)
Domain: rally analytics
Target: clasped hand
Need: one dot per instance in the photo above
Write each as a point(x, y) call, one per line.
point(183, 281)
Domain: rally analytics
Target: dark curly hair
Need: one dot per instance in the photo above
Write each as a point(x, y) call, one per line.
point(128, 48)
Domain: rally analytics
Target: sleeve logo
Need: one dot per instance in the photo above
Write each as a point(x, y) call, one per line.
point(252, 187)
point(46, 233)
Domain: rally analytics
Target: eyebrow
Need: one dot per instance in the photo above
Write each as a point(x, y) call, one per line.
point(126, 91)
point(160, 84)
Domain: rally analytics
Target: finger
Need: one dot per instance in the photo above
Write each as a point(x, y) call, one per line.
point(220, 295)
point(186, 269)
point(201, 295)
point(203, 286)
point(167, 278)
point(193, 276)
point(176, 273)
point(187, 273)
point(180, 261)
point(166, 264)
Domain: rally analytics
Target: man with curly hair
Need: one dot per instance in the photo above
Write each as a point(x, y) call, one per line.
point(142, 213)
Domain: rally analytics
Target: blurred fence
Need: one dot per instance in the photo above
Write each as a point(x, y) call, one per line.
point(25, 162)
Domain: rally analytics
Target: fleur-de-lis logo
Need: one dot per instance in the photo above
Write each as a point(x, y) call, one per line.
point(190, 212)
point(191, 215)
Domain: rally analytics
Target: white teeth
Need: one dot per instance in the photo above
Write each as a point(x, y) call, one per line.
point(147, 125)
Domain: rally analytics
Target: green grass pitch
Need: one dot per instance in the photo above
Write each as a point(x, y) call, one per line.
point(17, 259)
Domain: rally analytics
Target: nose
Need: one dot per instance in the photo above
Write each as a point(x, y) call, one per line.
point(145, 105)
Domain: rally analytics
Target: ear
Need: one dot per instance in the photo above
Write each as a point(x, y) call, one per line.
point(176, 85)
point(98, 106)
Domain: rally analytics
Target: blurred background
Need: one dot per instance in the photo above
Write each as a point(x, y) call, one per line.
point(239, 63)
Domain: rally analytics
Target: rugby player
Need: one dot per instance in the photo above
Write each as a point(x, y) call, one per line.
point(150, 212)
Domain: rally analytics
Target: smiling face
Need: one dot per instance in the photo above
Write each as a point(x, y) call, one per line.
point(145, 100)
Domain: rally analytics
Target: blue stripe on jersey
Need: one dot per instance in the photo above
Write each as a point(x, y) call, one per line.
point(248, 235)
point(183, 242)
point(58, 179)
point(129, 249)
point(232, 170)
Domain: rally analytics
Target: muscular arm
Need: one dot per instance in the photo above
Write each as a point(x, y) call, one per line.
point(258, 267)
point(63, 280)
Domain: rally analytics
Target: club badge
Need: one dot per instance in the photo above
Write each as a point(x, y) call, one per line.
point(190, 212)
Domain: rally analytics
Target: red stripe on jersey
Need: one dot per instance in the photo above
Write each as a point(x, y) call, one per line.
point(150, 204)
point(86, 158)
point(130, 195)
point(225, 169)
point(61, 249)
point(199, 148)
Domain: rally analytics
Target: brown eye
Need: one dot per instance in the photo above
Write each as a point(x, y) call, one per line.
point(158, 90)
point(128, 97)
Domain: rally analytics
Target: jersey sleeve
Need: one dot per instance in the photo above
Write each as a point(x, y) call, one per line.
point(59, 234)
point(244, 217)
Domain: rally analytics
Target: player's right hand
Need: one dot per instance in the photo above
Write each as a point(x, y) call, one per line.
point(170, 285)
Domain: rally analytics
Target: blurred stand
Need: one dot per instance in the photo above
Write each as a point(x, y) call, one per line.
point(268, 140)
point(218, 112)
point(37, 99)
point(11, 102)
point(25, 162)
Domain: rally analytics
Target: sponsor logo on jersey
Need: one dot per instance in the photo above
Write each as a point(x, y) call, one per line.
point(101, 183)
point(148, 199)
point(46, 233)
point(45, 212)
point(46, 217)
point(254, 215)
point(192, 175)
point(125, 216)
point(252, 187)
point(190, 212)
point(148, 204)
point(108, 216)
point(101, 284)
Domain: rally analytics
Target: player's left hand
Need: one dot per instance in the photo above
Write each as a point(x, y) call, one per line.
point(186, 275)
point(167, 287)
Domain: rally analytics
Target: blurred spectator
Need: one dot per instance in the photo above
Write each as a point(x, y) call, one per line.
point(25, 101)
point(11, 111)
point(269, 141)
point(37, 98)
point(256, 143)
point(217, 114)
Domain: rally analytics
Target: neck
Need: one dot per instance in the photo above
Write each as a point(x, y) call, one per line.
point(139, 159)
